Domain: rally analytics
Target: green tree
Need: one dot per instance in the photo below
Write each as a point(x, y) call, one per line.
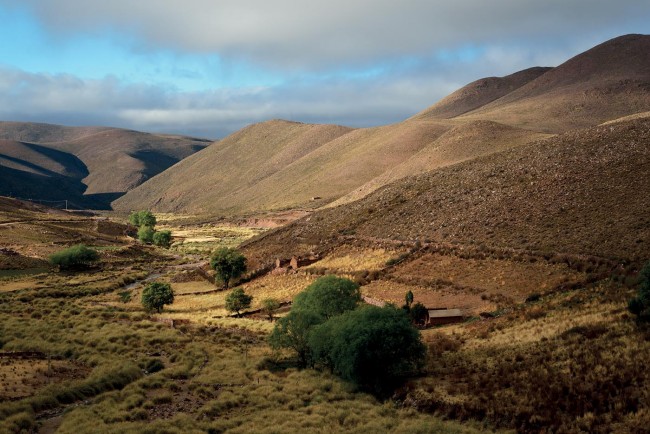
point(156, 294)
point(371, 346)
point(228, 263)
point(76, 256)
point(329, 296)
point(162, 238)
point(409, 299)
point(269, 306)
point(292, 331)
point(418, 313)
point(142, 218)
point(145, 234)
point(238, 300)
point(640, 305)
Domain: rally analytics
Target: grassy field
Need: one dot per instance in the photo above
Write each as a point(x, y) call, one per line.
point(568, 359)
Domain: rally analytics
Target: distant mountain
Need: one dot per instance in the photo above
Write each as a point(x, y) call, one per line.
point(581, 192)
point(279, 164)
point(90, 166)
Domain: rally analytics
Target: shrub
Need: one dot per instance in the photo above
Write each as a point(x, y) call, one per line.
point(292, 331)
point(142, 218)
point(155, 295)
point(640, 305)
point(145, 234)
point(418, 313)
point(372, 346)
point(269, 306)
point(228, 263)
point(162, 238)
point(75, 256)
point(238, 300)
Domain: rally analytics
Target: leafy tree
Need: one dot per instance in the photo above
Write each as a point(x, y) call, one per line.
point(269, 306)
point(162, 238)
point(155, 295)
point(142, 218)
point(145, 234)
point(228, 263)
point(329, 296)
point(409, 298)
point(640, 305)
point(238, 300)
point(418, 313)
point(292, 331)
point(79, 255)
point(371, 346)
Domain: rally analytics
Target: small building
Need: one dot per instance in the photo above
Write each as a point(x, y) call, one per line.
point(437, 317)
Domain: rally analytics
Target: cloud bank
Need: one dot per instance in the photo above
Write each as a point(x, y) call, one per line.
point(356, 63)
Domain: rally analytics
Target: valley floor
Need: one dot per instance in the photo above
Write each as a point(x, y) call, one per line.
point(547, 345)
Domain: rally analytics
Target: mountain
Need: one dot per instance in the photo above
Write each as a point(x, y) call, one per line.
point(608, 81)
point(579, 193)
point(90, 166)
point(279, 164)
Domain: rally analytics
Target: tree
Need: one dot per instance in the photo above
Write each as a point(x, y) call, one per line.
point(409, 299)
point(238, 300)
point(228, 263)
point(155, 295)
point(269, 306)
point(292, 331)
point(418, 313)
point(329, 296)
point(640, 305)
point(371, 346)
point(162, 238)
point(145, 234)
point(142, 218)
point(79, 255)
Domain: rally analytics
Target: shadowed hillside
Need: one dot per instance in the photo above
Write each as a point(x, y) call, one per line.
point(577, 193)
point(278, 164)
point(89, 165)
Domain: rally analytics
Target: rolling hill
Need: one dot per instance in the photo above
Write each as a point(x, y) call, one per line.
point(89, 166)
point(579, 193)
point(278, 164)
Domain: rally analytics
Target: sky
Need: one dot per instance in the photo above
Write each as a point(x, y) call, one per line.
point(210, 67)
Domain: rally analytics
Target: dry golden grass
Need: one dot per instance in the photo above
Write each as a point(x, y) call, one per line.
point(22, 378)
point(349, 259)
point(514, 280)
point(394, 292)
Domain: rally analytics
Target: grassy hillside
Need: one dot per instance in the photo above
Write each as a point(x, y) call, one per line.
point(279, 165)
point(89, 166)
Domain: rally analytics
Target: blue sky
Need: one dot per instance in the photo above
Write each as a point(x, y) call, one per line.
point(207, 68)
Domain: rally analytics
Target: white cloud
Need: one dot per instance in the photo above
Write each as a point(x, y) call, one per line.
point(289, 34)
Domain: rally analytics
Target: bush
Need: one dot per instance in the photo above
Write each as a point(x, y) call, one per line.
point(292, 331)
point(371, 346)
point(142, 218)
point(238, 300)
point(640, 305)
point(145, 234)
point(329, 296)
point(75, 256)
point(269, 306)
point(228, 263)
point(155, 295)
point(162, 238)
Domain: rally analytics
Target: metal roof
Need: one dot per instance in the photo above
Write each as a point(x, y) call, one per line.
point(444, 313)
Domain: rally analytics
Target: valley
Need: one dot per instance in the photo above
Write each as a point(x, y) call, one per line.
point(513, 213)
